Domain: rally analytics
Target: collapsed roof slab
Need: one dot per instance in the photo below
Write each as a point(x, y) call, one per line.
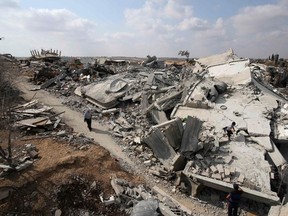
point(100, 93)
point(160, 146)
point(250, 115)
point(234, 72)
point(241, 106)
point(249, 159)
point(218, 58)
point(264, 141)
point(189, 141)
point(270, 199)
point(276, 156)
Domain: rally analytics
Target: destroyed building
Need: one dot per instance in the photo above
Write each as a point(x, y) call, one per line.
point(180, 112)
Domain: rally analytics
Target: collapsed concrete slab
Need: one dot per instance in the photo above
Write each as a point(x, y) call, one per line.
point(233, 72)
point(270, 199)
point(158, 116)
point(240, 153)
point(189, 143)
point(160, 146)
point(174, 133)
point(104, 94)
point(218, 58)
point(276, 156)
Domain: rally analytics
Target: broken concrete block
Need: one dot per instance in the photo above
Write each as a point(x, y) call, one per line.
point(227, 172)
point(33, 154)
point(222, 175)
point(154, 172)
point(61, 133)
point(232, 170)
point(190, 135)
point(165, 210)
point(204, 173)
point(163, 194)
point(227, 179)
point(213, 169)
point(117, 188)
point(108, 202)
point(241, 178)
point(137, 140)
point(216, 176)
point(147, 162)
point(220, 168)
point(109, 111)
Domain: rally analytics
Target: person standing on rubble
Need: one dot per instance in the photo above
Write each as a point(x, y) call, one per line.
point(233, 199)
point(229, 130)
point(88, 118)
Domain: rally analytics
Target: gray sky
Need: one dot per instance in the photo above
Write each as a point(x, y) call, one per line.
point(254, 28)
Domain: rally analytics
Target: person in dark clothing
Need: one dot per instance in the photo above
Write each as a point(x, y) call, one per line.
point(88, 119)
point(233, 199)
point(230, 130)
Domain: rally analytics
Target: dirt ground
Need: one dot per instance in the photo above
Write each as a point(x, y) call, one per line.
point(59, 164)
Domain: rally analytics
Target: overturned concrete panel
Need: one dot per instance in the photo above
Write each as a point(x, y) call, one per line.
point(174, 133)
point(255, 119)
point(234, 72)
point(276, 156)
point(190, 136)
point(100, 93)
point(264, 142)
point(247, 193)
point(159, 145)
point(166, 196)
point(158, 116)
point(144, 103)
point(218, 59)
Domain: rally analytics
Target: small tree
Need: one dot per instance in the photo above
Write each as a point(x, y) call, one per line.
point(184, 53)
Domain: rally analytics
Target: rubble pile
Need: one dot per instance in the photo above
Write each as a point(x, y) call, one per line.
point(171, 118)
point(23, 157)
point(140, 200)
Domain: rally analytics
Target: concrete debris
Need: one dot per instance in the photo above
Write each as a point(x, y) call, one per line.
point(175, 114)
point(271, 199)
point(189, 142)
point(143, 199)
point(160, 146)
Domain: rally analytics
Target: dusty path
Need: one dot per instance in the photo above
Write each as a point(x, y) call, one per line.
point(74, 119)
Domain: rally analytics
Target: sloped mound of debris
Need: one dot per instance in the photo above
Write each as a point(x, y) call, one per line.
point(79, 197)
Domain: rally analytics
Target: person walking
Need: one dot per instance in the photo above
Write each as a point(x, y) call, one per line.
point(88, 118)
point(233, 199)
point(230, 130)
